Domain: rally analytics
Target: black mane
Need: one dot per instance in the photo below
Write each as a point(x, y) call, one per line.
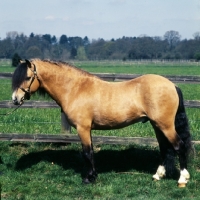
point(19, 75)
point(62, 63)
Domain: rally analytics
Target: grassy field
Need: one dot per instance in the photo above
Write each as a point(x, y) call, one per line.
point(132, 67)
point(47, 121)
point(53, 171)
point(162, 68)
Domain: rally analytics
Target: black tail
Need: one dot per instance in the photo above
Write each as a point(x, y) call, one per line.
point(182, 125)
point(167, 150)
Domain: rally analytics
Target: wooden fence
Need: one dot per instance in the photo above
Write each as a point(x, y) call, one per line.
point(124, 77)
point(69, 138)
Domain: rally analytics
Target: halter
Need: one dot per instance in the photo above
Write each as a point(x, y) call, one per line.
point(27, 92)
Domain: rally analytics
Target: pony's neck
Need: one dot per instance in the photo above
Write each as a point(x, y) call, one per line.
point(57, 80)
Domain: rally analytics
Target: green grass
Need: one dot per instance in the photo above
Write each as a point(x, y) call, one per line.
point(52, 171)
point(132, 67)
point(168, 68)
point(47, 121)
point(7, 69)
point(33, 121)
point(6, 91)
point(6, 66)
point(190, 91)
point(47, 171)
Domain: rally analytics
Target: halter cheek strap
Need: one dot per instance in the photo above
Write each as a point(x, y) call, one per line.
point(27, 92)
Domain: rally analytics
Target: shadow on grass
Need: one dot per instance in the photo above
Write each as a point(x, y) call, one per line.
point(140, 159)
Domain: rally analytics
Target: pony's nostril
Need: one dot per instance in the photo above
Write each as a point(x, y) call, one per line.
point(15, 102)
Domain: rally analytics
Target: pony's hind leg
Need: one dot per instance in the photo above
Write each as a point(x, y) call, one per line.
point(172, 130)
point(182, 129)
point(183, 154)
point(88, 154)
point(180, 147)
point(167, 166)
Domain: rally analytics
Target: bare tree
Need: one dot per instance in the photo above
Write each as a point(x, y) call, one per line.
point(196, 36)
point(6, 48)
point(12, 34)
point(173, 37)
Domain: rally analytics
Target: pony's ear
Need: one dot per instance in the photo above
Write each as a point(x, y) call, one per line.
point(28, 63)
point(21, 61)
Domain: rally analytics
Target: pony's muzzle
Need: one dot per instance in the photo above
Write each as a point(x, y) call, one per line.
point(17, 101)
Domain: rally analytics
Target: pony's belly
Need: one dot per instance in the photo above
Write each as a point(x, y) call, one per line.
point(114, 125)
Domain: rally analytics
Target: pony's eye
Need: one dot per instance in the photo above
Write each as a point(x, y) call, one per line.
point(28, 78)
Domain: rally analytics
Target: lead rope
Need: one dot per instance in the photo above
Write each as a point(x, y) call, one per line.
point(10, 112)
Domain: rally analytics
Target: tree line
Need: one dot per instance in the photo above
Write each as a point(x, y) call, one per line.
point(169, 46)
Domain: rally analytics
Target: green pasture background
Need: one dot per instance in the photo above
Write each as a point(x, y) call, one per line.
point(54, 171)
point(47, 121)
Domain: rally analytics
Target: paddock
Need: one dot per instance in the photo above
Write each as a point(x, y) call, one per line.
point(111, 140)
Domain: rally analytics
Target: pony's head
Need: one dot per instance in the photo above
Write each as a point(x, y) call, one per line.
point(24, 82)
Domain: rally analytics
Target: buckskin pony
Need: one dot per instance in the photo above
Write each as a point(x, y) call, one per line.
point(91, 103)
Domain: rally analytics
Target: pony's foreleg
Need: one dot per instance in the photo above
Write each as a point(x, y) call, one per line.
point(88, 154)
point(160, 173)
point(89, 159)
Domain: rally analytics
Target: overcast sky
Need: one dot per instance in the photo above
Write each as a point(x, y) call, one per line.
point(105, 19)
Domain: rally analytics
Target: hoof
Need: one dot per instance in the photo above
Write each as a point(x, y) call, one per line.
point(90, 178)
point(184, 178)
point(160, 173)
point(86, 181)
point(156, 177)
point(182, 185)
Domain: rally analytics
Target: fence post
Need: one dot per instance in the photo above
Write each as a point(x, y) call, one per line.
point(65, 127)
